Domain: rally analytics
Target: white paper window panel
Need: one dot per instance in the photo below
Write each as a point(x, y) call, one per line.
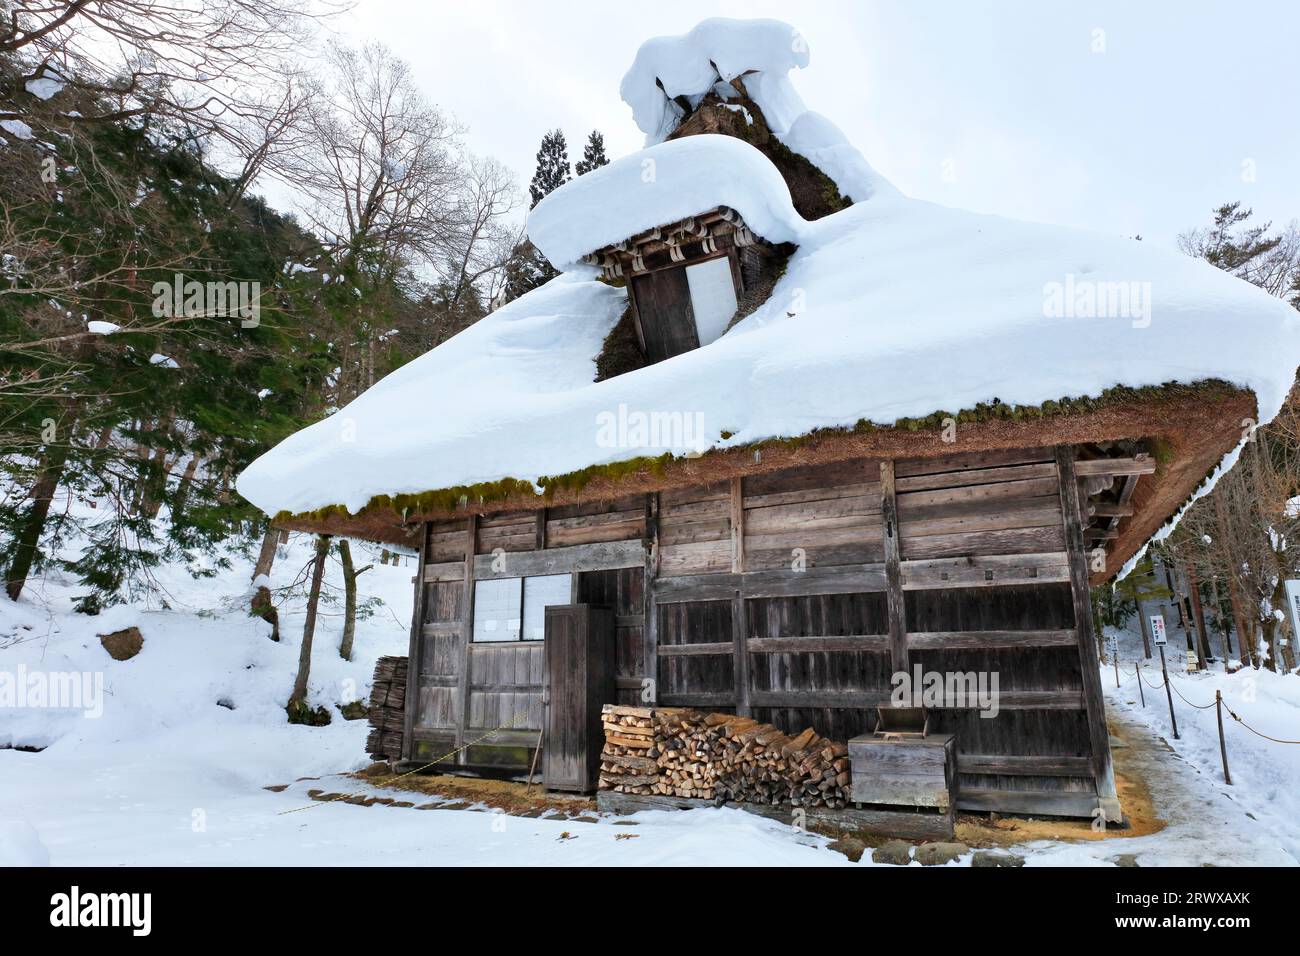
point(713, 297)
point(539, 593)
point(497, 610)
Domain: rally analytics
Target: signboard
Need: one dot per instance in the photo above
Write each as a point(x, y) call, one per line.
point(1158, 630)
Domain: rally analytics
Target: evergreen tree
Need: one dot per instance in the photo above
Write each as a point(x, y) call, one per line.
point(593, 154)
point(552, 167)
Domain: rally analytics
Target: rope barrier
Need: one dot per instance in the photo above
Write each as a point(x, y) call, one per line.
point(1232, 713)
point(343, 796)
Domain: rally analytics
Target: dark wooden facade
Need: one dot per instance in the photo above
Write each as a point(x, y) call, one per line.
point(793, 596)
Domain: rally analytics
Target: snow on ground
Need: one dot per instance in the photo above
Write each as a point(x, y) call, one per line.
point(169, 776)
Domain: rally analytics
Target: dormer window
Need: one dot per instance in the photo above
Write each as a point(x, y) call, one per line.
point(688, 281)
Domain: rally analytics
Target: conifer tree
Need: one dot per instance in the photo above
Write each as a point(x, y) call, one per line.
point(552, 167)
point(593, 154)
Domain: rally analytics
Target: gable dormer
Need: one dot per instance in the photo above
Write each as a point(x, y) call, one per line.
point(690, 279)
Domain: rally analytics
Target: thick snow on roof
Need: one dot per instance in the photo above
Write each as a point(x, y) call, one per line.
point(660, 185)
point(889, 309)
point(762, 52)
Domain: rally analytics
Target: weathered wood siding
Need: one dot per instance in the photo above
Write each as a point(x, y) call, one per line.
point(795, 595)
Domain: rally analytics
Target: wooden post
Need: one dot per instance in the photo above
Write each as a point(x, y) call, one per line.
point(897, 609)
point(650, 632)
point(467, 634)
point(416, 649)
point(1168, 693)
point(1116, 655)
point(739, 625)
point(1137, 672)
point(1223, 745)
point(1103, 771)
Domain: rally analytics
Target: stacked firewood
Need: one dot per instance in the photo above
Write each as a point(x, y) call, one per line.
point(689, 753)
point(387, 713)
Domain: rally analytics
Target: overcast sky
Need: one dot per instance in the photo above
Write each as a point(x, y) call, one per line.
point(1129, 118)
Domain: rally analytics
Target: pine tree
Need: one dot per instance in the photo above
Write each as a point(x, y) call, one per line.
point(593, 154)
point(552, 167)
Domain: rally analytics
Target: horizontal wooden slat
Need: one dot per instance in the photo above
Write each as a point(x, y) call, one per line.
point(1052, 802)
point(810, 645)
point(690, 650)
point(986, 570)
point(1115, 466)
point(976, 476)
point(754, 584)
point(444, 571)
point(957, 461)
point(698, 699)
point(602, 556)
point(1006, 700)
point(987, 640)
point(867, 489)
point(1021, 765)
point(1047, 516)
point(1014, 541)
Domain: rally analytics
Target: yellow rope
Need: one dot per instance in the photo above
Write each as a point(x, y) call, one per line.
point(343, 796)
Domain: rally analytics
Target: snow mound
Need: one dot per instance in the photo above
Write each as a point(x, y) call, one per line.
point(660, 185)
point(20, 845)
point(763, 52)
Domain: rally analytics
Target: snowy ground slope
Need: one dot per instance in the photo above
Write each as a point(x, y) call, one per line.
point(163, 740)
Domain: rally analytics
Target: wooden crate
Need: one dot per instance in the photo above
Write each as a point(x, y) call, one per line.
point(912, 772)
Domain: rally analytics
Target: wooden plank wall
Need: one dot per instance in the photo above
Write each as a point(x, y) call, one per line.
point(970, 549)
point(794, 596)
point(466, 692)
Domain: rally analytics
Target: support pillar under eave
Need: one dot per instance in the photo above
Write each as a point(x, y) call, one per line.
point(1094, 704)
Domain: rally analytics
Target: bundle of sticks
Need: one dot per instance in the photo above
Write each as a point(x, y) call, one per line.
point(709, 756)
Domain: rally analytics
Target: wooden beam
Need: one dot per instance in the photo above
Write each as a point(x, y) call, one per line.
point(467, 632)
point(987, 640)
point(1098, 734)
point(649, 601)
point(1102, 509)
point(1137, 465)
point(693, 650)
point(780, 583)
point(897, 611)
point(904, 824)
point(601, 556)
point(415, 650)
point(818, 644)
point(1061, 803)
point(1021, 765)
point(739, 622)
point(737, 527)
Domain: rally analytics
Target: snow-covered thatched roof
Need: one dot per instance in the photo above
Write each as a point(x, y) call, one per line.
point(890, 309)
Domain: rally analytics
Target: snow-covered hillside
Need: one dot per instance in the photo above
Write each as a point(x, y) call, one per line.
point(197, 716)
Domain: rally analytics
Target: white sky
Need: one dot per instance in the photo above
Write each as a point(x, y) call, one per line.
point(993, 106)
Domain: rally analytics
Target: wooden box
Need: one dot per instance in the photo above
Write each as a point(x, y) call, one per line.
point(911, 772)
